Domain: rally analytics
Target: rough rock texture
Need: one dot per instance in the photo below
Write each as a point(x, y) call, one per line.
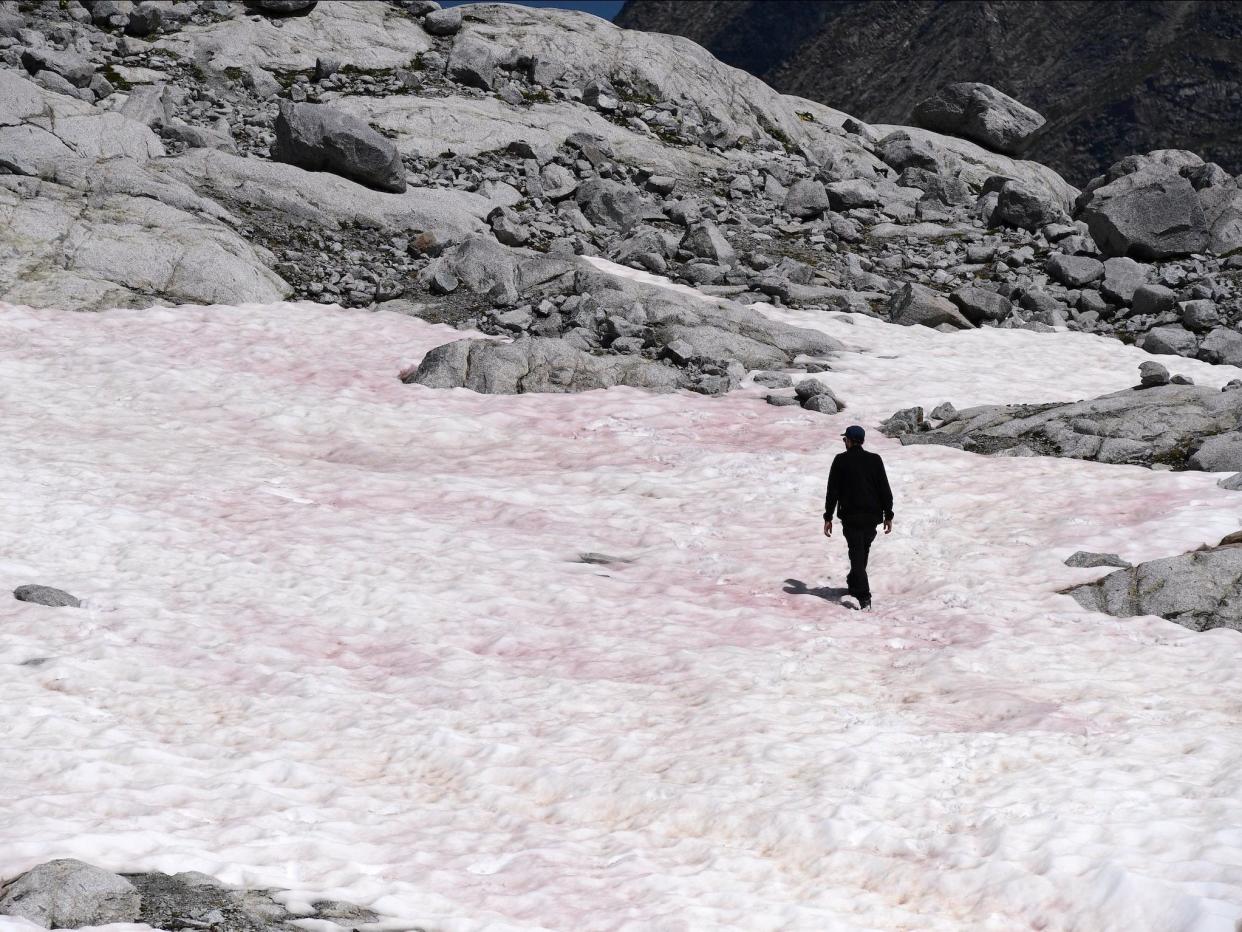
point(46, 595)
point(1146, 214)
point(1110, 78)
point(534, 364)
point(914, 304)
point(527, 139)
point(1199, 590)
point(68, 894)
point(1169, 425)
point(318, 138)
point(979, 112)
point(1086, 558)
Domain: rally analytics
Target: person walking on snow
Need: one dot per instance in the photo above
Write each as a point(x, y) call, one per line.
point(858, 492)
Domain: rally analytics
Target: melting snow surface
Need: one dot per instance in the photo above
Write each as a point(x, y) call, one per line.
point(337, 638)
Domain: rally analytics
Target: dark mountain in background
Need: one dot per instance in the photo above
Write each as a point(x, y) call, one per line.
point(1112, 78)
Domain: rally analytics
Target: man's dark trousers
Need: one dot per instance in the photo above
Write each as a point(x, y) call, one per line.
point(858, 538)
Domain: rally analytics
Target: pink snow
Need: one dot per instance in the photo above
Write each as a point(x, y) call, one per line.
point(337, 638)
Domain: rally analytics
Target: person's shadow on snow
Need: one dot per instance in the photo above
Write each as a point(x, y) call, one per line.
point(827, 593)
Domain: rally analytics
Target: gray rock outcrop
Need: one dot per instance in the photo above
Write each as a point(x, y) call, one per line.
point(68, 894)
point(1178, 426)
point(534, 364)
point(1199, 590)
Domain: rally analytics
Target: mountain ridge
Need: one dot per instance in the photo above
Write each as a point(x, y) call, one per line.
point(1132, 77)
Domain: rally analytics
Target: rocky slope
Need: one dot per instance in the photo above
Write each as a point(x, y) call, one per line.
point(1111, 78)
point(464, 164)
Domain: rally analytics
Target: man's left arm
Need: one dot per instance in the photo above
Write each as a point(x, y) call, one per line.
point(886, 495)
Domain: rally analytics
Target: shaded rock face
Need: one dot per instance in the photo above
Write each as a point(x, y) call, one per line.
point(981, 113)
point(1100, 72)
point(319, 138)
point(1177, 426)
point(1200, 590)
point(1146, 214)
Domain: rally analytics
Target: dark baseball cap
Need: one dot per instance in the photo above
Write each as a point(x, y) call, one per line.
point(855, 433)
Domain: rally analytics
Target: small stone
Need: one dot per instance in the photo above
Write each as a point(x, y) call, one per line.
point(326, 66)
point(944, 412)
point(443, 282)
point(825, 403)
point(773, 379)
point(809, 388)
point(602, 559)
point(1087, 558)
point(46, 595)
point(1152, 374)
point(782, 401)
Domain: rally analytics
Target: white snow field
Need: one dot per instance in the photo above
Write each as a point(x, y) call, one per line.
point(336, 639)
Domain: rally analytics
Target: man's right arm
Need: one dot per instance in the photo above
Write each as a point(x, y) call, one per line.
point(833, 492)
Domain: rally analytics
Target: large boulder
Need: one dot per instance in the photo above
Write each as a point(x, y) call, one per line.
point(1122, 278)
point(914, 304)
point(978, 304)
point(319, 138)
point(806, 198)
point(611, 203)
point(981, 113)
point(1222, 208)
point(1074, 271)
point(75, 69)
point(68, 894)
point(706, 241)
point(1171, 339)
point(1152, 213)
point(1020, 206)
point(1222, 346)
point(1222, 453)
point(1197, 590)
point(473, 62)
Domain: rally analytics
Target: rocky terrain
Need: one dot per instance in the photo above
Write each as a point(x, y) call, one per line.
point(1201, 590)
point(1111, 78)
point(1157, 424)
point(464, 166)
point(69, 894)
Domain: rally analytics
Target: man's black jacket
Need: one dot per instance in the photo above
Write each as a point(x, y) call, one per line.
point(858, 488)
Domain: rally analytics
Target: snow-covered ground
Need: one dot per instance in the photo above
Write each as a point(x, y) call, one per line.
point(337, 639)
